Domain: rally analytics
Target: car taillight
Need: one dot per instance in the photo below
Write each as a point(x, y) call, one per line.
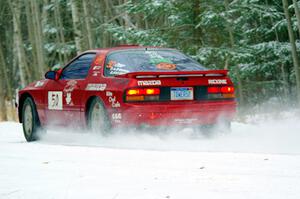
point(227, 89)
point(134, 92)
point(213, 90)
point(142, 94)
point(220, 92)
point(152, 91)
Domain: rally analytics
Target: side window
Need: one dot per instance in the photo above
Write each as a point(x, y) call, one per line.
point(79, 68)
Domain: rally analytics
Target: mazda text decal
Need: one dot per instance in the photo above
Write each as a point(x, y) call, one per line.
point(55, 100)
point(217, 81)
point(149, 83)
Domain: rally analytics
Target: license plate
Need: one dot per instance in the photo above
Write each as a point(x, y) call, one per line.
point(182, 93)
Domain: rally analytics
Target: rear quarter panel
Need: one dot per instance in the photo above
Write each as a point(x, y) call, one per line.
point(108, 89)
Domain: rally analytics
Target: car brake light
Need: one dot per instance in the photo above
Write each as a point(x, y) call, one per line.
point(142, 94)
point(227, 89)
point(152, 91)
point(213, 90)
point(143, 91)
point(220, 92)
point(223, 89)
point(134, 92)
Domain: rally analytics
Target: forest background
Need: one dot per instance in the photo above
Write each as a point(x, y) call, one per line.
point(258, 41)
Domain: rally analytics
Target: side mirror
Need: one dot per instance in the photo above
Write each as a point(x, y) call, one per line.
point(54, 75)
point(50, 75)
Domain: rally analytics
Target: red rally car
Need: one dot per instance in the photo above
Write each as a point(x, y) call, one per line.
point(127, 86)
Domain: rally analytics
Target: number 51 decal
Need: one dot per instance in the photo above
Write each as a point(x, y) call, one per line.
point(55, 100)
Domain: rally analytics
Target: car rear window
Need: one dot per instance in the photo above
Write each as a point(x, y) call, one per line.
point(142, 60)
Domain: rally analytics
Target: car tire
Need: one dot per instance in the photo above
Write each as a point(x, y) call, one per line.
point(210, 130)
point(224, 126)
point(97, 118)
point(30, 121)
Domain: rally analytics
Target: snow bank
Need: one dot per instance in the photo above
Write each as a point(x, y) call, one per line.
point(254, 161)
point(267, 136)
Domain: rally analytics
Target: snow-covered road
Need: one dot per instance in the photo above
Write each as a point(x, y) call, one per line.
point(254, 161)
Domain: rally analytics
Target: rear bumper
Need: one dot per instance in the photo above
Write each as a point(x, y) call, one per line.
point(183, 113)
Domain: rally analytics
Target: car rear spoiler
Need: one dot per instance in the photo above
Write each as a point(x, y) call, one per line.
point(159, 74)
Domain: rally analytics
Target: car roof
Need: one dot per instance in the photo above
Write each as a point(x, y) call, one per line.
point(122, 47)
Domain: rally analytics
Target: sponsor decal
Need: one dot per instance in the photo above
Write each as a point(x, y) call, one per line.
point(149, 83)
point(111, 64)
point(96, 67)
point(118, 71)
point(116, 68)
point(217, 81)
point(113, 101)
point(109, 94)
point(153, 54)
point(69, 88)
point(96, 87)
point(116, 116)
point(99, 59)
point(39, 83)
point(69, 99)
point(55, 100)
point(185, 121)
point(96, 73)
point(166, 66)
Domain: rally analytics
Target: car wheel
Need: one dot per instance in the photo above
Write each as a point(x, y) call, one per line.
point(30, 120)
point(223, 127)
point(98, 121)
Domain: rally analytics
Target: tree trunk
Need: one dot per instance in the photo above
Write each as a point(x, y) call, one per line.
point(60, 39)
point(31, 36)
point(228, 25)
point(22, 64)
point(87, 17)
point(76, 26)
point(5, 80)
point(3, 111)
point(197, 31)
point(109, 14)
point(3, 87)
point(293, 47)
point(282, 66)
point(297, 12)
point(37, 27)
point(285, 81)
point(236, 68)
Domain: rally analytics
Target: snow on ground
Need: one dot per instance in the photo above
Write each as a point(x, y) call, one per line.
point(260, 160)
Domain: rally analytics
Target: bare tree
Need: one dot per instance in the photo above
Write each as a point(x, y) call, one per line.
point(297, 12)
point(38, 35)
point(22, 63)
point(232, 45)
point(87, 17)
point(60, 38)
point(293, 46)
point(3, 114)
point(31, 39)
point(76, 26)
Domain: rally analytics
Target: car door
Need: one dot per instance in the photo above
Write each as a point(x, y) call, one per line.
point(65, 94)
